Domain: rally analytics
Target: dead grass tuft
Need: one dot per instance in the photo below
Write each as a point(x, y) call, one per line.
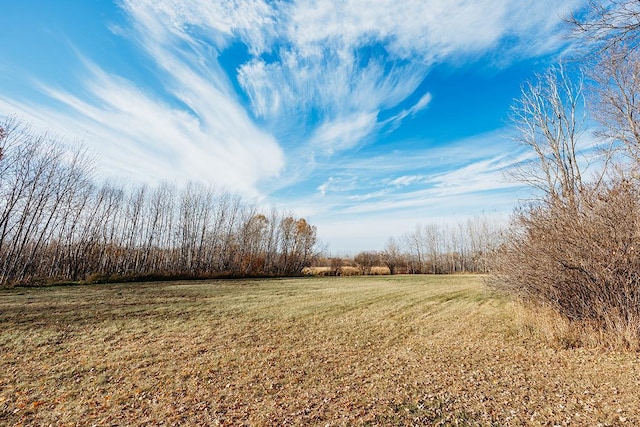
point(547, 325)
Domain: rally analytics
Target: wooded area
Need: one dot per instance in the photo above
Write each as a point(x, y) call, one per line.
point(57, 224)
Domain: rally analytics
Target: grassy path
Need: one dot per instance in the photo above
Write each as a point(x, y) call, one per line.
point(406, 350)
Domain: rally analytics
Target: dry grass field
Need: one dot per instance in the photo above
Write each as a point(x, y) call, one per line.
point(405, 350)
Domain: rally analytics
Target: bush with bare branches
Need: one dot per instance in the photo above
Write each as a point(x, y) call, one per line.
point(576, 250)
point(584, 261)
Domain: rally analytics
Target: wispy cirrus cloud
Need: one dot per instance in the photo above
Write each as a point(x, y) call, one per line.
point(396, 120)
point(417, 183)
point(343, 133)
point(405, 180)
point(194, 127)
point(316, 80)
point(333, 60)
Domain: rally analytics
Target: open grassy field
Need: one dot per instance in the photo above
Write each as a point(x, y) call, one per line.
point(405, 350)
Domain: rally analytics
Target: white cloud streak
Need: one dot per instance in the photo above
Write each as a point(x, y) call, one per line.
point(359, 57)
point(341, 63)
point(200, 132)
point(344, 132)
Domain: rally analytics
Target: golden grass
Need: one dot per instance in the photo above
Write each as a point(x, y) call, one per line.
point(387, 350)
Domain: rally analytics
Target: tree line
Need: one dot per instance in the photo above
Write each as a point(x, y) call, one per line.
point(464, 247)
point(58, 224)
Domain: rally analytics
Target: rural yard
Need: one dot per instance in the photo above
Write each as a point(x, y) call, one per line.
point(387, 350)
point(314, 213)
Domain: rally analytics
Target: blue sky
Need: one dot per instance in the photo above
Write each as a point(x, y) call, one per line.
point(365, 117)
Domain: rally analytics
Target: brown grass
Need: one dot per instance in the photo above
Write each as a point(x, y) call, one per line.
point(403, 350)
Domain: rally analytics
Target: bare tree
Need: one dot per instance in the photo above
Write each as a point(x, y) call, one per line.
point(434, 244)
point(549, 119)
point(367, 260)
point(617, 102)
point(38, 177)
point(484, 236)
point(392, 256)
point(253, 242)
point(608, 25)
point(415, 244)
point(297, 242)
point(3, 135)
point(585, 267)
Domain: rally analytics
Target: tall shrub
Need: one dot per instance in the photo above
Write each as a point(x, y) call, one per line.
point(584, 261)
